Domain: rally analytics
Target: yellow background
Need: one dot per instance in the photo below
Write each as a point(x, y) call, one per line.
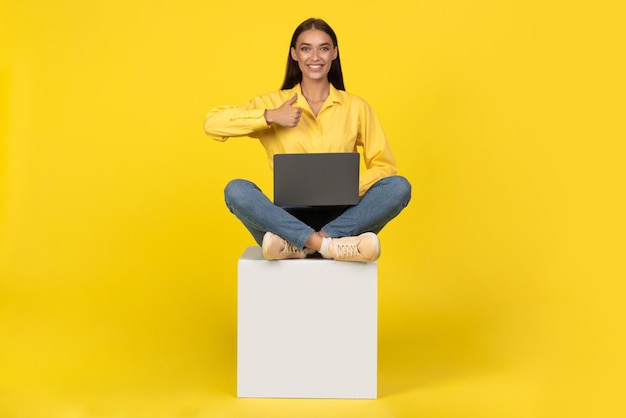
point(501, 285)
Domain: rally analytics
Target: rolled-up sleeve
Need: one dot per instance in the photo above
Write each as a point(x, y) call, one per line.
point(223, 122)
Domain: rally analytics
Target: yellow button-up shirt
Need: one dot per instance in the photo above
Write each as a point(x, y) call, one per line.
point(344, 122)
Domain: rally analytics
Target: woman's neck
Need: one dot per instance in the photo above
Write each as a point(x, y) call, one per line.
point(315, 91)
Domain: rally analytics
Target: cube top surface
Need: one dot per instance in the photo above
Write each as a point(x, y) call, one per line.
point(253, 253)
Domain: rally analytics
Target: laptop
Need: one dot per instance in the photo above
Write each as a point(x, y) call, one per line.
point(316, 179)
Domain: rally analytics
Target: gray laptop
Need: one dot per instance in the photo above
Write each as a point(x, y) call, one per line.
point(316, 179)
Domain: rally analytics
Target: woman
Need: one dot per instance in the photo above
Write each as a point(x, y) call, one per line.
point(308, 114)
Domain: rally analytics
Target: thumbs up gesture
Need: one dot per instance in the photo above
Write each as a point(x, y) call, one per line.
point(286, 115)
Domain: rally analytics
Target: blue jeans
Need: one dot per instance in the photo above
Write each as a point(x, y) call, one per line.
point(384, 200)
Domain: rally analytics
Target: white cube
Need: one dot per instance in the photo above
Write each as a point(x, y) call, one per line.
point(306, 328)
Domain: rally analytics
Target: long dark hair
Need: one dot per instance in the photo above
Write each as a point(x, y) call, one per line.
point(293, 75)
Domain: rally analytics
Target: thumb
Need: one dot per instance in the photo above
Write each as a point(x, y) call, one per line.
point(292, 100)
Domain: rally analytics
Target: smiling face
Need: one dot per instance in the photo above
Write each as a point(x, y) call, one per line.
point(315, 53)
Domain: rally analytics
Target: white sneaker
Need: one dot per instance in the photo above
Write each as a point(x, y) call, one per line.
point(276, 248)
point(364, 248)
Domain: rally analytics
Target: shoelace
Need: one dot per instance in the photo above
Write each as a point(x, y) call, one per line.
point(346, 249)
point(290, 249)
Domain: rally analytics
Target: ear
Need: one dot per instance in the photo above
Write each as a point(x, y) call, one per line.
point(293, 54)
point(335, 53)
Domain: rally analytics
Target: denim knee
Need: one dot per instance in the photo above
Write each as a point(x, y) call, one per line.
point(403, 189)
point(235, 191)
point(398, 189)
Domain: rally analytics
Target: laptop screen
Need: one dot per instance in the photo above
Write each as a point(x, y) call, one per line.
point(316, 179)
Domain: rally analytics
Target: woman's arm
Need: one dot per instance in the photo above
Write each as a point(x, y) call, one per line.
point(223, 122)
point(379, 160)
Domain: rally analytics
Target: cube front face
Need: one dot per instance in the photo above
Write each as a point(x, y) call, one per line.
point(306, 328)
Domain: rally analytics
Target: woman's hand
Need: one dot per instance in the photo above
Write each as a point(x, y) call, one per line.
point(286, 115)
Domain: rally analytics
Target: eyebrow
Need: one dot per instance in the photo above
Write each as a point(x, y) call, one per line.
point(308, 44)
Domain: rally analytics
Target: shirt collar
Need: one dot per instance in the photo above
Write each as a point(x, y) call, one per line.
point(334, 94)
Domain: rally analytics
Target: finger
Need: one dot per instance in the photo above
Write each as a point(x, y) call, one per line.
point(292, 100)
